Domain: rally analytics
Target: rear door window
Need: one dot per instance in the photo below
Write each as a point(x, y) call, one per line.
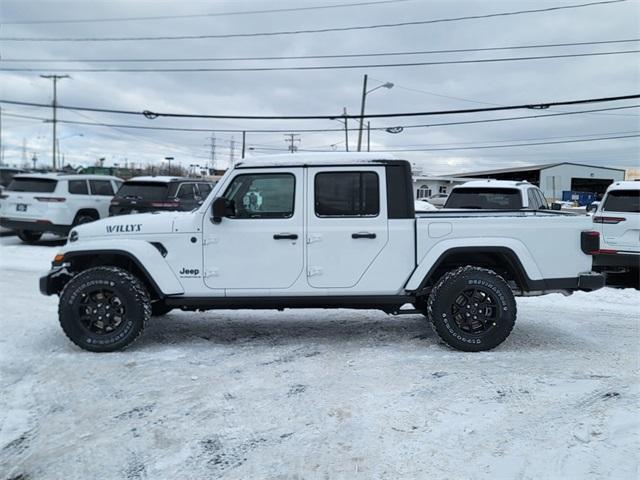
point(347, 194)
point(101, 187)
point(151, 191)
point(78, 187)
point(623, 201)
point(485, 198)
point(36, 185)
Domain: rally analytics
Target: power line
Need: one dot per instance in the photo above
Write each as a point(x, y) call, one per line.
point(480, 147)
point(151, 115)
point(200, 15)
point(312, 57)
point(312, 67)
point(316, 130)
point(298, 32)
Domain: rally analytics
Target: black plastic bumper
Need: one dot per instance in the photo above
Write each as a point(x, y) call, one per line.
point(34, 226)
point(54, 280)
point(616, 260)
point(591, 281)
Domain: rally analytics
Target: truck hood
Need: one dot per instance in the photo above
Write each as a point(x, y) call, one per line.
point(130, 225)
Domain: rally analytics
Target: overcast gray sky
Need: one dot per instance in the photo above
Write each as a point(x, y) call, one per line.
point(421, 88)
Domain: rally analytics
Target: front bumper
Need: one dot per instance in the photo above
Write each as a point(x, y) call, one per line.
point(53, 282)
point(34, 226)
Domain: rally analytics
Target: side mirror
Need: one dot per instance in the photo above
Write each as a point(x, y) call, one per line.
point(222, 207)
point(556, 206)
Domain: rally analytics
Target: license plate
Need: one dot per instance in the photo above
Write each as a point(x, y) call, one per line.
point(21, 207)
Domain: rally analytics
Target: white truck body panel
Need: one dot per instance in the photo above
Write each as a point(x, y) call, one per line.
point(239, 257)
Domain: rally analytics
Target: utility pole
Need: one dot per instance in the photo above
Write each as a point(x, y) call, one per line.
point(292, 138)
point(364, 96)
point(24, 152)
point(346, 128)
point(212, 150)
point(232, 151)
point(244, 142)
point(34, 159)
point(368, 136)
point(55, 79)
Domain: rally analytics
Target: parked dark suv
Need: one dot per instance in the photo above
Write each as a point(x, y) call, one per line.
point(150, 194)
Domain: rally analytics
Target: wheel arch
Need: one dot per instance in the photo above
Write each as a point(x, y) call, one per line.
point(147, 264)
point(503, 260)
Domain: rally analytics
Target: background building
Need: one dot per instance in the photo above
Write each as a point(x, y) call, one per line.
point(424, 186)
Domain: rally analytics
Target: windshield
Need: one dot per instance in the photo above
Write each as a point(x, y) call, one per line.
point(485, 198)
point(623, 201)
point(143, 190)
point(37, 185)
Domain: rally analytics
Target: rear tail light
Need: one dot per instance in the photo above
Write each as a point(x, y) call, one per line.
point(608, 220)
point(590, 242)
point(51, 199)
point(165, 204)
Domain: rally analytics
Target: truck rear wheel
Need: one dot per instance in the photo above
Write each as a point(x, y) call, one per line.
point(472, 309)
point(104, 309)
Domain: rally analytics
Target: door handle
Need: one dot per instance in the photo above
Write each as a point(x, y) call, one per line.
point(363, 235)
point(285, 236)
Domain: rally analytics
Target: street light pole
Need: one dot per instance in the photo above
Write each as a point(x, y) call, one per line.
point(362, 105)
point(55, 79)
point(364, 99)
point(169, 159)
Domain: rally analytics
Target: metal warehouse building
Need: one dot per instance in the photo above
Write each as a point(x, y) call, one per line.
point(558, 181)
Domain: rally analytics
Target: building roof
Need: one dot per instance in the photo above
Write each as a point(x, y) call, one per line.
point(311, 159)
point(528, 168)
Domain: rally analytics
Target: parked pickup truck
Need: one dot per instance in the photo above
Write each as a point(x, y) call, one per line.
point(318, 231)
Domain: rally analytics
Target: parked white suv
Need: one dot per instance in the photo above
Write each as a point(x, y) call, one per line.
point(37, 203)
point(618, 220)
point(496, 195)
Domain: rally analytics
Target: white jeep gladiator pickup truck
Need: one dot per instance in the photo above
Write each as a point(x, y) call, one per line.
point(318, 231)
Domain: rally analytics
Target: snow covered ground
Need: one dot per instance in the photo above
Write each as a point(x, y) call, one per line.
point(317, 394)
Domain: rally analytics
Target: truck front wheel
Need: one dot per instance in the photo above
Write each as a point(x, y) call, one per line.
point(472, 309)
point(104, 309)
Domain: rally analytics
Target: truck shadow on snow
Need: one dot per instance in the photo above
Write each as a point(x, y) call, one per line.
point(330, 329)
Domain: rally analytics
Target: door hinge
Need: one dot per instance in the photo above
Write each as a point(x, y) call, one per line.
point(211, 273)
point(314, 238)
point(210, 239)
point(313, 271)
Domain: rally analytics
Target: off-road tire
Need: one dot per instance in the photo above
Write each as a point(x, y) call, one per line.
point(159, 309)
point(441, 306)
point(27, 236)
point(130, 292)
